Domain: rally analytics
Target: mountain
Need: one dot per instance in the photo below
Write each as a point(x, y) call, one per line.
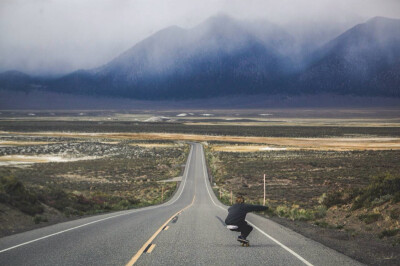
point(15, 80)
point(221, 56)
point(364, 60)
point(227, 57)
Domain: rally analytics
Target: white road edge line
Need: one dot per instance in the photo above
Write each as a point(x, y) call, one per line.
point(93, 222)
point(261, 231)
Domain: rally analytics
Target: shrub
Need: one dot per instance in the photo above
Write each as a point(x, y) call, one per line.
point(135, 201)
point(122, 205)
point(395, 214)
point(388, 233)
point(294, 213)
point(14, 193)
point(282, 211)
point(83, 200)
point(396, 197)
point(323, 224)
point(38, 219)
point(370, 218)
point(381, 200)
point(320, 212)
point(333, 198)
point(302, 214)
point(380, 186)
point(56, 198)
point(68, 211)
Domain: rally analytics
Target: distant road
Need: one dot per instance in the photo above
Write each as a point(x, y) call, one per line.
point(187, 230)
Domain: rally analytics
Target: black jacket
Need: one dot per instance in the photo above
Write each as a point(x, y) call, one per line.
point(237, 212)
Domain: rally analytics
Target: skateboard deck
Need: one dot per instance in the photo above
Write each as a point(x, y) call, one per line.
point(244, 243)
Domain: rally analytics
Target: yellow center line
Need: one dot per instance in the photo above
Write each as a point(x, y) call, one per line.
point(151, 248)
point(141, 250)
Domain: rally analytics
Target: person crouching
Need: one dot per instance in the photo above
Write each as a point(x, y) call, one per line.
point(237, 215)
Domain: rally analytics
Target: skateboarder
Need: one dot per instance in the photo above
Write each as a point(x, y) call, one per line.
point(237, 214)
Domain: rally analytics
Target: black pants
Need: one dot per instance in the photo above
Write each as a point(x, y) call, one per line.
point(244, 228)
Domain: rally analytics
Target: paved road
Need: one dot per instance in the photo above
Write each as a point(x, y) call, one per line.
point(187, 230)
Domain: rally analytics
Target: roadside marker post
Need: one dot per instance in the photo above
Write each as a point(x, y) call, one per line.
point(264, 189)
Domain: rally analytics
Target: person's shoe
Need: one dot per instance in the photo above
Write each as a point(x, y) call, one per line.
point(241, 238)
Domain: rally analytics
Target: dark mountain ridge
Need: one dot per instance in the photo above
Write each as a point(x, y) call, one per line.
point(364, 60)
point(226, 57)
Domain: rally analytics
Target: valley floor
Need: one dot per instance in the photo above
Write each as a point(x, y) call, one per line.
point(333, 179)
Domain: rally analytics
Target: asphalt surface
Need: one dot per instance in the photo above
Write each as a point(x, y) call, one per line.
point(195, 235)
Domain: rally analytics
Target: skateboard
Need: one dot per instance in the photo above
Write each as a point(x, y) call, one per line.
point(244, 243)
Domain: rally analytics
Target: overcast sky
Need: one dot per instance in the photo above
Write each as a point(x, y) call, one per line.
point(59, 36)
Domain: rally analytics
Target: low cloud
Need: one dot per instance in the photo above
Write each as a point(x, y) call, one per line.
point(56, 36)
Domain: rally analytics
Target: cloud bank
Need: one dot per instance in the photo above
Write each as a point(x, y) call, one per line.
point(52, 37)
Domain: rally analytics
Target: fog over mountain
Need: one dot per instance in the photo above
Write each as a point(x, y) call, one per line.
point(223, 56)
point(244, 57)
point(53, 37)
point(364, 60)
point(217, 57)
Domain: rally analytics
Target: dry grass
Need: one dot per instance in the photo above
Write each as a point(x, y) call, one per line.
point(337, 144)
point(24, 143)
point(153, 145)
point(245, 148)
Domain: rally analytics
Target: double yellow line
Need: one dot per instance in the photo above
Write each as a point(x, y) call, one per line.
point(142, 249)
